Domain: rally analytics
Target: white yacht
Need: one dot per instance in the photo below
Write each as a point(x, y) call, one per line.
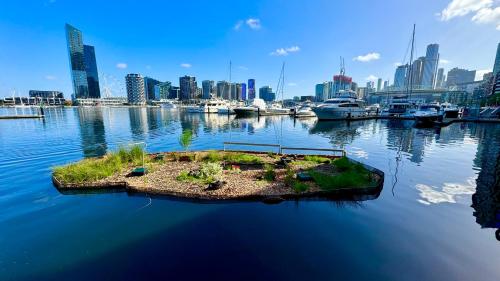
point(212, 106)
point(168, 104)
point(449, 110)
point(277, 109)
point(427, 114)
point(399, 106)
point(345, 106)
point(254, 108)
point(304, 111)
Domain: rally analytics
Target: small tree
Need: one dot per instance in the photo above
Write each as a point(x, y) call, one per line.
point(185, 139)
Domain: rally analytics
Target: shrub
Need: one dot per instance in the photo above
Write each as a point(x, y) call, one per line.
point(210, 171)
point(300, 186)
point(289, 177)
point(269, 173)
point(317, 159)
point(343, 164)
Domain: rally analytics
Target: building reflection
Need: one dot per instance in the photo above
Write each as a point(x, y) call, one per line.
point(339, 132)
point(486, 200)
point(92, 132)
point(138, 122)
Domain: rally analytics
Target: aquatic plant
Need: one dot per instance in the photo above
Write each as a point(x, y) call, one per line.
point(269, 173)
point(185, 139)
point(300, 186)
point(212, 156)
point(94, 169)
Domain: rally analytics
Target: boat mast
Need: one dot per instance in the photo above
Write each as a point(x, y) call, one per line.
point(409, 86)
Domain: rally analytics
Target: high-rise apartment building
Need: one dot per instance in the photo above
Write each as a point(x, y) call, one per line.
point(188, 87)
point(417, 73)
point(266, 93)
point(149, 88)
point(135, 89)
point(162, 90)
point(439, 79)
point(429, 70)
point(379, 84)
point(223, 90)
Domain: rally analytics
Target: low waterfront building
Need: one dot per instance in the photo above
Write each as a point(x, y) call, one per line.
point(135, 89)
point(35, 100)
point(45, 94)
point(423, 95)
point(109, 101)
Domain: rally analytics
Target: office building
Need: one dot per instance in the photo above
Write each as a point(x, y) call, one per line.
point(188, 87)
point(496, 65)
point(91, 71)
point(386, 84)
point(429, 70)
point(319, 92)
point(77, 62)
point(460, 76)
point(135, 89)
point(400, 78)
point(251, 89)
point(149, 88)
point(207, 89)
point(266, 93)
point(440, 79)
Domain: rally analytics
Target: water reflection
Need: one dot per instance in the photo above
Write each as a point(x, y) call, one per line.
point(92, 132)
point(486, 200)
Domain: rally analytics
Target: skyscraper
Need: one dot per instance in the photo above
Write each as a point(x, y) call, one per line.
point(417, 73)
point(251, 89)
point(440, 78)
point(77, 62)
point(91, 70)
point(164, 89)
point(188, 87)
point(400, 78)
point(430, 66)
point(496, 65)
point(379, 84)
point(207, 88)
point(266, 93)
point(135, 89)
point(386, 84)
point(321, 91)
point(223, 89)
point(243, 91)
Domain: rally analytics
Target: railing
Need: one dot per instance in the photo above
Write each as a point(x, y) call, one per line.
point(282, 148)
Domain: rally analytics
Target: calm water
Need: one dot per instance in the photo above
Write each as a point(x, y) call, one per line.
point(434, 220)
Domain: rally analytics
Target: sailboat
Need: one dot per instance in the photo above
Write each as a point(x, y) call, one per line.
point(276, 108)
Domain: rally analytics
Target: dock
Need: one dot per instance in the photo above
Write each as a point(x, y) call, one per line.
point(36, 116)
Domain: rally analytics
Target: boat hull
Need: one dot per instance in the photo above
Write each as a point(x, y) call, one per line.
point(427, 120)
point(338, 114)
point(246, 112)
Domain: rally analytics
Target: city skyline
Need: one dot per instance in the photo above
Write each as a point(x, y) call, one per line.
point(251, 38)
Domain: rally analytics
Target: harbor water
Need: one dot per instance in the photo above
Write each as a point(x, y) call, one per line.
point(435, 219)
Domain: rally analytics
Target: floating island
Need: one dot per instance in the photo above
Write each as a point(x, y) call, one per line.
point(222, 175)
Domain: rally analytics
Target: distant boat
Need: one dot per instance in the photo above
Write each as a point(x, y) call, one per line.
point(168, 104)
point(427, 114)
point(305, 111)
point(400, 107)
point(254, 108)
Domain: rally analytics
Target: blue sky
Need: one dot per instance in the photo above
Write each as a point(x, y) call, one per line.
point(167, 39)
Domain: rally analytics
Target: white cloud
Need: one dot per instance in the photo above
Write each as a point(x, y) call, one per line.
point(368, 57)
point(481, 72)
point(447, 193)
point(285, 51)
point(487, 16)
point(121, 65)
point(50, 77)
point(186, 65)
point(238, 25)
point(396, 64)
point(444, 61)
point(485, 11)
point(253, 23)
point(371, 77)
point(292, 84)
point(242, 67)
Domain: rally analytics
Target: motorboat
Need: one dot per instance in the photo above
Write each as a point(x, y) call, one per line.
point(305, 111)
point(255, 107)
point(212, 106)
point(345, 106)
point(277, 109)
point(167, 104)
point(449, 110)
point(427, 114)
point(400, 107)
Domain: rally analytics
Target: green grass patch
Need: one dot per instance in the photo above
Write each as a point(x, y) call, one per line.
point(94, 169)
point(317, 159)
point(213, 156)
point(208, 173)
point(242, 158)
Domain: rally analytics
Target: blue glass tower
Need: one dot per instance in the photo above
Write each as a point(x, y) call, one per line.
point(91, 71)
point(77, 62)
